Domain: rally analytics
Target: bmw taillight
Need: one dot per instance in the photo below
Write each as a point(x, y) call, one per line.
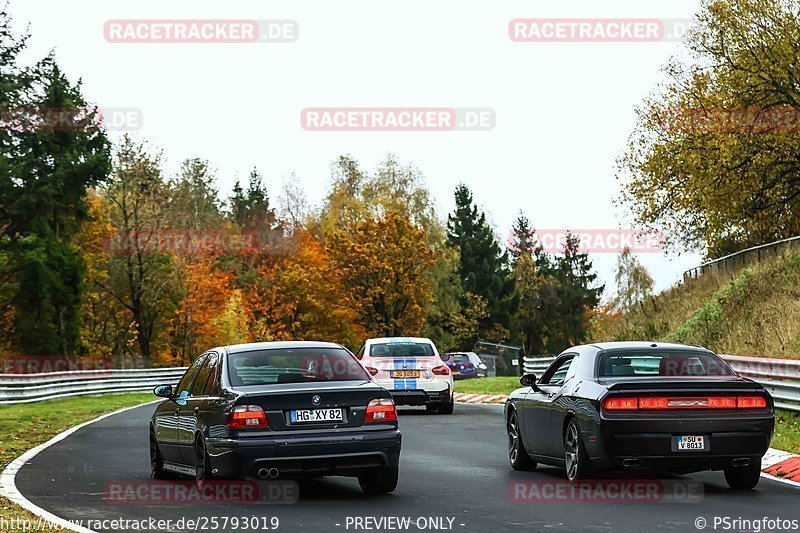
point(442, 370)
point(381, 410)
point(247, 416)
point(656, 403)
point(372, 370)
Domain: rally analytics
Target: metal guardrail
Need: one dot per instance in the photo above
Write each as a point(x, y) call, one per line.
point(740, 259)
point(28, 388)
point(781, 377)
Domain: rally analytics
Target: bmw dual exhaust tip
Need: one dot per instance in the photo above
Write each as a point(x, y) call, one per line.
point(268, 473)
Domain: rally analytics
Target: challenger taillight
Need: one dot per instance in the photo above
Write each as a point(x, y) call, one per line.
point(442, 370)
point(247, 416)
point(751, 402)
point(372, 370)
point(621, 404)
point(656, 403)
point(380, 410)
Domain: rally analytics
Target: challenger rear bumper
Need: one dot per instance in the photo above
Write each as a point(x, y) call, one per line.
point(649, 442)
point(299, 455)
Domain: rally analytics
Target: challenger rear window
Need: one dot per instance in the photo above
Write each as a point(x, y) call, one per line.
point(401, 349)
point(298, 365)
point(662, 364)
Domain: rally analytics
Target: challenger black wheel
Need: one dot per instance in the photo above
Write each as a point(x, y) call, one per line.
point(517, 455)
point(743, 477)
point(379, 480)
point(577, 461)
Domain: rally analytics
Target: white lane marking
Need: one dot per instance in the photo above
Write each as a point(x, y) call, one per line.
point(8, 485)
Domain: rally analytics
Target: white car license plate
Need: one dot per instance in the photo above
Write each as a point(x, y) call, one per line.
point(691, 443)
point(317, 415)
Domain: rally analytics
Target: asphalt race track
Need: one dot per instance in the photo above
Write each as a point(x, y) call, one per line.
point(452, 467)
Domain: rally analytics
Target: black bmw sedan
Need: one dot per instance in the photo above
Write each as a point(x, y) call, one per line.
point(667, 407)
point(277, 409)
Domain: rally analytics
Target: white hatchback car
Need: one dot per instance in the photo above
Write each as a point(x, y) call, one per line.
point(412, 370)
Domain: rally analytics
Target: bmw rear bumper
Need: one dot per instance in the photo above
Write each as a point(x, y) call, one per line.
point(305, 455)
point(651, 442)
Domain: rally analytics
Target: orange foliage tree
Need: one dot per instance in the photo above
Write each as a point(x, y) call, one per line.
point(207, 292)
point(301, 296)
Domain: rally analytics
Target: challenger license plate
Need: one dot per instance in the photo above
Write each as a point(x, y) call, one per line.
point(689, 443)
point(317, 415)
point(404, 373)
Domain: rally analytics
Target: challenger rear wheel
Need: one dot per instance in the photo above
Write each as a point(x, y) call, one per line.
point(517, 455)
point(577, 461)
point(743, 477)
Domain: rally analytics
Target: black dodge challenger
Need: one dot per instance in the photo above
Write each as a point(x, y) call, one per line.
point(620, 405)
point(277, 409)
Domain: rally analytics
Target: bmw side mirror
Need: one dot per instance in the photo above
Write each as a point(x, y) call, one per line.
point(163, 391)
point(528, 380)
point(446, 356)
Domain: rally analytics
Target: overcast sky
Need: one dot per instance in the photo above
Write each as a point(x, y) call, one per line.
point(564, 111)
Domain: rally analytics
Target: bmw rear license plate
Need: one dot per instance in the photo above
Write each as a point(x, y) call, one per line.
point(317, 415)
point(690, 443)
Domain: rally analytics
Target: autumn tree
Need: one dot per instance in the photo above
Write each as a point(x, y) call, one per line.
point(205, 293)
point(139, 273)
point(384, 265)
point(633, 281)
point(107, 327)
point(713, 160)
point(303, 297)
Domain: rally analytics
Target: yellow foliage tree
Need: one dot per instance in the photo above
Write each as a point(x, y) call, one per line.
point(384, 264)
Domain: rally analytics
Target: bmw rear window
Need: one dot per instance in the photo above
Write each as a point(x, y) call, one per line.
point(661, 364)
point(298, 365)
point(401, 349)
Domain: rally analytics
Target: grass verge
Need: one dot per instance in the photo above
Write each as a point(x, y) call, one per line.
point(787, 424)
point(497, 385)
point(787, 432)
point(28, 425)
